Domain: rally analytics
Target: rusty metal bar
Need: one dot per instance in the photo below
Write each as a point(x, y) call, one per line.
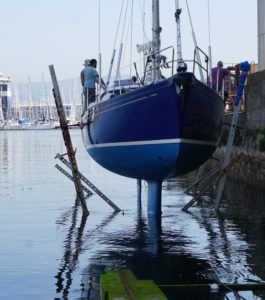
point(90, 184)
point(219, 175)
point(72, 178)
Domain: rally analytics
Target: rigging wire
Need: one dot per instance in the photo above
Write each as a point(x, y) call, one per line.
point(131, 39)
point(124, 22)
point(121, 44)
point(195, 44)
point(114, 46)
point(209, 24)
point(129, 31)
point(99, 29)
point(209, 47)
point(142, 17)
point(117, 31)
point(99, 50)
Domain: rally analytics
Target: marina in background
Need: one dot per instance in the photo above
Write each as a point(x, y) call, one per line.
point(31, 106)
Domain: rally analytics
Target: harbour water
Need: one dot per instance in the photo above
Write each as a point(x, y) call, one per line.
point(47, 252)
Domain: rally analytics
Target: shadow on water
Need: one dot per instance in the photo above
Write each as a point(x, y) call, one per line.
point(180, 248)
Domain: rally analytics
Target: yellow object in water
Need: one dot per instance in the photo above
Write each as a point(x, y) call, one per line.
point(123, 285)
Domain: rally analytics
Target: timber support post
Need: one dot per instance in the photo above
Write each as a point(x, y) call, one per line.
point(68, 142)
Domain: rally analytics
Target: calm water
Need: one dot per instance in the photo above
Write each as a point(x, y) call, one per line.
point(47, 252)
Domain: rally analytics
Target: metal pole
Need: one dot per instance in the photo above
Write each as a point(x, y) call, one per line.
point(90, 184)
point(210, 66)
point(156, 29)
point(118, 64)
point(180, 63)
point(139, 194)
point(154, 197)
point(196, 45)
point(221, 174)
point(210, 48)
point(111, 65)
point(67, 141)
point(100, 76)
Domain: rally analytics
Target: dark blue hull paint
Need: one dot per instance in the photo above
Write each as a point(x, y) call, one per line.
point(156, 131)
point(154, 162)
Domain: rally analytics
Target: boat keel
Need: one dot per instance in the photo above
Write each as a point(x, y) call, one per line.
point(154, 197)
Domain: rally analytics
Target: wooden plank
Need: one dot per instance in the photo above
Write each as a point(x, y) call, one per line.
point(68, 141)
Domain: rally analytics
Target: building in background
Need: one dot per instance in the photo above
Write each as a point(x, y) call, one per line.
point(5, 95)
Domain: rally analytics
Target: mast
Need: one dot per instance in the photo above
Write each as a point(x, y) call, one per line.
point(156, 29)
point(179, 47)
point(181, 66)
point(46, 98)
point(196, 45)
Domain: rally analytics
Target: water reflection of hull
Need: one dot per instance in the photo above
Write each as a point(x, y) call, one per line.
point(209, 250)
point(146, 255)
point(200, 248)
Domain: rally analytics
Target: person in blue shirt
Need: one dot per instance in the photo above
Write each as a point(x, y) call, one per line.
point(89, 76)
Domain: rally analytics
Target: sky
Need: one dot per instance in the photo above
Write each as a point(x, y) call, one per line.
point(39, 33)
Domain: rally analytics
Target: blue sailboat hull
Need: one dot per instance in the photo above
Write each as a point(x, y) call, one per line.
point(162, 130)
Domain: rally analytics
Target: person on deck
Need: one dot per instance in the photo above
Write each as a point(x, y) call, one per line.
point(89, 76)
point(218, 75)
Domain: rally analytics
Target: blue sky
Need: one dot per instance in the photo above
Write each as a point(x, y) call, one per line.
point(37, 33)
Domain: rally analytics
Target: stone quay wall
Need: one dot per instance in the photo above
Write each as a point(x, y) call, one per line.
point(250, 135)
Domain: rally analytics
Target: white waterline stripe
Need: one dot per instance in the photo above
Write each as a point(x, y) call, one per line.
point(152, 142)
